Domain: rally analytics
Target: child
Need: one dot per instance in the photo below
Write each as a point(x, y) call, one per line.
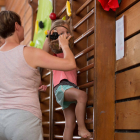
point(72, 100)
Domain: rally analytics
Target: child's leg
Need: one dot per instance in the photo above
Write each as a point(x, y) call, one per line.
point(80, 96)
point(69, 114)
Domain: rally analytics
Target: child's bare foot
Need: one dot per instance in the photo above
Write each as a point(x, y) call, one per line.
point(84, 133)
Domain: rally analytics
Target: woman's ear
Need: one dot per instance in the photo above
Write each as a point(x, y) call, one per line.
point(16, 26)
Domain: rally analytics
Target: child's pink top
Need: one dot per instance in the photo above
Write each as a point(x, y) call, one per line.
point(60, 75)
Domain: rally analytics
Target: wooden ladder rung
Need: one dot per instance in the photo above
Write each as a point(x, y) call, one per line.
point(36, 9)
point(46, 135)
point(88, 32)
point(83, 19)
point(68, 20)
point(90, 48)
point(48, 85)
point(45, 75)
point(34, 4)
point(45, 99)
point(58, 136)
point(86, 68)
point(45, 123)
point(74, 137)
point(88, 121)
point(58, 108)
point(90, 102)
point(83, 6)
point(46, 111)
point(87, 85)
point(61, 12)
point(59, 122)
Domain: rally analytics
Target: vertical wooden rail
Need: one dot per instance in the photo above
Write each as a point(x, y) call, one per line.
point(51, 107)
point(34, 5)
point(81, 34)
point(52, 97)
point(104, 76)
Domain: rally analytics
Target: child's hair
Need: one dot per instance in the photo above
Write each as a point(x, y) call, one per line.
point(60, 23)
point(7, 23)
point(54, 44)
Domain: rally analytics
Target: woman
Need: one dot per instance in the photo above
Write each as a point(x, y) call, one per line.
point(20, 114)
point(2, 41)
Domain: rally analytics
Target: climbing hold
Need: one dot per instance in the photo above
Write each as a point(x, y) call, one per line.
point(46, 32)
point(68, 8)
point(52, 16)
point(41, 24)
point(32, 43)
point(64, 18)
point(36, 27)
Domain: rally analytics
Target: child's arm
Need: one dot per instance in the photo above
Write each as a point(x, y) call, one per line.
point(46, 47)
point(77, 68)
point(42, 87)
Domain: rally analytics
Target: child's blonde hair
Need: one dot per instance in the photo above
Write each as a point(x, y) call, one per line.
point(60, 23)
point(54, 44)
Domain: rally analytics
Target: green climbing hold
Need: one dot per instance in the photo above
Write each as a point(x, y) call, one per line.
point(64, 18)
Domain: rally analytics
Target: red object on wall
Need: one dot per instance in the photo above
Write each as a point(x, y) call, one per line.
point(52, 16)
point(109, 4)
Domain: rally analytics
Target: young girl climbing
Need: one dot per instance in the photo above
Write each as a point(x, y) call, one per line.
point(68, 96)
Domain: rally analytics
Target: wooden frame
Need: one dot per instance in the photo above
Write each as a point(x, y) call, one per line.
point(104, 76)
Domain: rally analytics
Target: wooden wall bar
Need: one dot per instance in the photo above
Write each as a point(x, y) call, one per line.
point(81, 31)
point(125, 4)
point(127, 120)
point(25, 11)
point(128, 115)
point(132, 53)
point(104, 76)
point(127, 136)
point(127, 84)
point(131, 17)
point(2, 4)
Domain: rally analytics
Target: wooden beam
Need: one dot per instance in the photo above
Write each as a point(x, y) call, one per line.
point(127, 84)
point(127, 136)
point(2, 3)
point(104, 80)
point(131, 54)
point(83, 6)
point(128, 115)
point(131, 18)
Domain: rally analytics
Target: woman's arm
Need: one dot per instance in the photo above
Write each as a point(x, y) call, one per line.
point(39, 58)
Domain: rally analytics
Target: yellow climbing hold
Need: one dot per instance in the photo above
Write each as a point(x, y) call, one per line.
point(46, 32)
point(36, 27)
point(68, 8)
